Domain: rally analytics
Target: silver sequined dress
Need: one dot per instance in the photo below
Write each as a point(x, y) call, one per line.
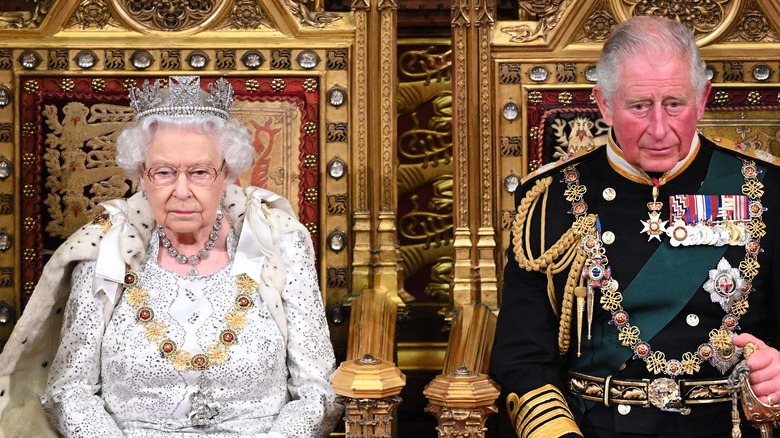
point(110, 380)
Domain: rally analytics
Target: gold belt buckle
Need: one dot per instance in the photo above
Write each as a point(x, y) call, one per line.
point(664, 393)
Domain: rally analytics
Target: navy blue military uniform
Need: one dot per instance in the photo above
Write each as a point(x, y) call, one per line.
point(526, 358)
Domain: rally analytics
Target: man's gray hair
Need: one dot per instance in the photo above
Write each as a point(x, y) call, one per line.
point(231, 138)
point(647, 36)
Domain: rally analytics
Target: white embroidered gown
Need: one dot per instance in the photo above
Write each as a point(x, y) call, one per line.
point(111, 381)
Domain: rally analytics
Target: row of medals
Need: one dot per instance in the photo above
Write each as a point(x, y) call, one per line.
point(731, 233)
point(721, 233)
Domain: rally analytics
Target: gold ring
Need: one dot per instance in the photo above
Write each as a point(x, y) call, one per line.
point(769, 400)
point(749, 349)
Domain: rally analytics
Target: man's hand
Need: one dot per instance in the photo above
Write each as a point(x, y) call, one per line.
point(764, 365)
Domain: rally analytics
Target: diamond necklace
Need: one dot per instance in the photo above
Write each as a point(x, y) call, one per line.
point(201, 255)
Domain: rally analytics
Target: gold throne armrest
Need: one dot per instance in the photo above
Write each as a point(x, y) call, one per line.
point(463, 396)
point(368, 382)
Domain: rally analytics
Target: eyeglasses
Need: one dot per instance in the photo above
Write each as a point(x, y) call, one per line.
point(198, 175)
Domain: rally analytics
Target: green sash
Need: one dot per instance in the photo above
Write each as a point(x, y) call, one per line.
point(649, 300)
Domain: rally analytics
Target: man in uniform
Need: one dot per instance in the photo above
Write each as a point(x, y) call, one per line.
point(634, 266)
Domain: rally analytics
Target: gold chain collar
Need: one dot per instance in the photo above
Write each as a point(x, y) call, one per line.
point(215, 353)
point(719, 342)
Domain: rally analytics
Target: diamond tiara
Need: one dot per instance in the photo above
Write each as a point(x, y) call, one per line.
point(183, 98)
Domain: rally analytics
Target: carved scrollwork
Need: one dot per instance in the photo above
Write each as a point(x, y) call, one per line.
point(307, 12)
point(540, 8)
point(168, 16)
point(426, 65)
point(549, 13)
point(597, 27)
point(753, 27)
point(247, 14)
point(31, 19)
point(700, 16)
point(92, 14)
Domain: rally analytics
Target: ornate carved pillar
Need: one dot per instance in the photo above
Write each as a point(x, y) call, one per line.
point(487, 231)
point(361, 213)
point(377, 257)
point(474, 217)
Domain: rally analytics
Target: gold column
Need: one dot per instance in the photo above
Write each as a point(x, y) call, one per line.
point(387, 269)
point(361, 213)
point(475, 276)
point(486, 240)
point(368, 382)
point(376, 261)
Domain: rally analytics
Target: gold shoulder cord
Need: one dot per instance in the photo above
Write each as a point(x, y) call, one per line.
point(565, 253)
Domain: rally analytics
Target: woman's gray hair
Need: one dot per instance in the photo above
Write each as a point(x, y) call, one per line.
point(645, 36)
point(230, 136)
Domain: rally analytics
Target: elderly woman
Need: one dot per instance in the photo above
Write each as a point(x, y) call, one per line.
point(200, 312)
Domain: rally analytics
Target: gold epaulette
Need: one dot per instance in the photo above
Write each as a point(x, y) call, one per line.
point(739, 148)
point(564, 253)
point(541, 413)
point(568, 159)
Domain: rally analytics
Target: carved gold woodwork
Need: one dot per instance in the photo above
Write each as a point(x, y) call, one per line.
point(462, 397)
point(193, 17)
point(368, 378)
point(369, 417)
point(461, 401)
point(475, 269)
point(28, 19)
point(368, 382)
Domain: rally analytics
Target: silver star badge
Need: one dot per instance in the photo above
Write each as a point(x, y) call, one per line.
point(725, 285)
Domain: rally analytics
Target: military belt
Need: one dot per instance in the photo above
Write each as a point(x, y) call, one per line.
point(644, 392)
